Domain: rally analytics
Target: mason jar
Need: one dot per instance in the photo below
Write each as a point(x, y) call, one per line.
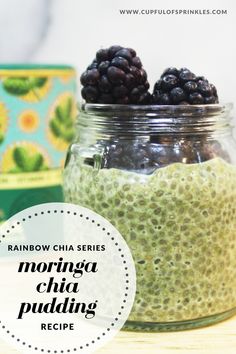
point(165, 177)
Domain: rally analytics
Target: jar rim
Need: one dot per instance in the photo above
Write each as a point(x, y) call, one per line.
point(137, 120)
point(158, 109)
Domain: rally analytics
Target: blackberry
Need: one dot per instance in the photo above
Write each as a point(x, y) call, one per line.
point(129, 155)
point(178, 87)
point(145, 158)
point(116, 76)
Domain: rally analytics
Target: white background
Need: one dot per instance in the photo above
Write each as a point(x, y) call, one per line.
point(70, 31)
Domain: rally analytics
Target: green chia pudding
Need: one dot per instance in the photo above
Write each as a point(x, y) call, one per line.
point(180, 225)
point(159, 164)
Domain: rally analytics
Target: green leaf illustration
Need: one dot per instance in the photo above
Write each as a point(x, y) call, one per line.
point(1, 137)
point(38, 82)
point(59, 115)
point(20, 157)
point(36, 162)
point(69, 135)
point(68, 107)
point(26, 162)
point(16, 86)
point(20, 86)
point(62, 125)
point(55, 127)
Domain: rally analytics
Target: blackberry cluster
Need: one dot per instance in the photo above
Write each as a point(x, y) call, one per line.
point(130, 155)
point(145, 158)
point(177, 87)
point(117, 76)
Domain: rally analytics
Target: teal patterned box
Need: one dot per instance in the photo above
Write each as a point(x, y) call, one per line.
point(37, 116)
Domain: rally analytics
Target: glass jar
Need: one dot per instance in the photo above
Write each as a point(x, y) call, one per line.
point(165, 177)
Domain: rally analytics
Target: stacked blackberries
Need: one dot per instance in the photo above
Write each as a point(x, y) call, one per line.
point(115, 76)
point(177, 87)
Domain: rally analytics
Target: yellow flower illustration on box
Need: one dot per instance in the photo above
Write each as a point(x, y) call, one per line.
point(24, 157)
point(66, 77)
point(29, 89)
point(61, 126)
point(28, 121)
point(3, 121)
